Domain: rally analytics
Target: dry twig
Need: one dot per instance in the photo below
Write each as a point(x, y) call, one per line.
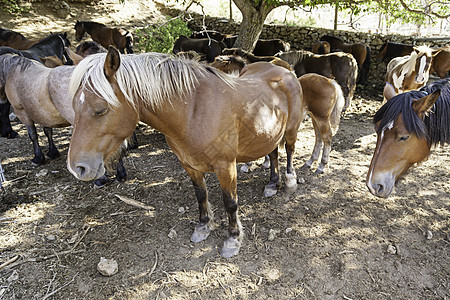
point(135, 203)
point(60, 288)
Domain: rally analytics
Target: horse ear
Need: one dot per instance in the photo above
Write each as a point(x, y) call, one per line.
point(422, 105)
point(112, 62)
point(389, 91)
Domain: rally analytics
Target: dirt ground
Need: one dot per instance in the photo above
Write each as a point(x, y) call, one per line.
point(331, 239)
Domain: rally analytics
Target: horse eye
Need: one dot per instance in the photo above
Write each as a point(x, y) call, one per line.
point(101, 112)
point(403, 138)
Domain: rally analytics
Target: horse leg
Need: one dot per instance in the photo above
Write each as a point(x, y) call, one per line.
point(6, 129)
point(39, 158)
point(52, 150)
point(228, 182)
point(121, 174)
point(272, 187)
point(326, 134)
point(290, 176)
point(206, 218)
point(132, 141)
point(317, 146)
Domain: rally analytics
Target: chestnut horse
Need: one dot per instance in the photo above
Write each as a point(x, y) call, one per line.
point(407, 126)
point(410, 72)
point(441, 62)
point(16, 40)
point(339, 66)
point(322, 99)
point(210, 119)
point(105, 36)
point(43, 100)
point(361, 52)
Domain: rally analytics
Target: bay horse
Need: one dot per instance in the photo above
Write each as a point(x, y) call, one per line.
point(15, 40)
point(105, 36)
point(321, 47)
point(270, 47)
point(441, 62)
point(361, 52)
point(391, 50)
point(251, 58)
point(53, 44)
point(339, 66)
point(410, 72)
point(43, 100)
point(322, 99)
point(211, 121)
point(407, 126)
point(209, 47)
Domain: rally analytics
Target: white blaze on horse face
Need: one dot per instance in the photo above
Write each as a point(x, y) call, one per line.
point(389, 126)
point(420, 78)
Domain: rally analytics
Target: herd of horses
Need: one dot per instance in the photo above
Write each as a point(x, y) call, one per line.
point(236, 107)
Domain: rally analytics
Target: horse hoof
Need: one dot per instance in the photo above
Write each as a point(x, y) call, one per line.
point(231, 247)
point(53, 155)
point(318, 171)
point(101, 182)
point(270, 190)
point(37, 161)
point(291, 182)
point(266, 164)
point(12, 135)
point(201, 232)
point(244, 168)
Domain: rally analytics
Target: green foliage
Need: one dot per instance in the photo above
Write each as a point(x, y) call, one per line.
point(156, 38)
point(13, 7)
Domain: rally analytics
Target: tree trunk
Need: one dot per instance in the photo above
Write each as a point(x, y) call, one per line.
point(252, 22)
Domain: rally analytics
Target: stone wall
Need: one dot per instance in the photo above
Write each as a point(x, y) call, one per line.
point(304, 37)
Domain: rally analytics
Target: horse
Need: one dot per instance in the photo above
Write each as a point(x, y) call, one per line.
point(16, 40)
point(211, 121)
point(89, 47)
point(270, 47)
point(321, 47)
point(361, 52)
point(53, 61)
point(209, 34)
point(410, 72)
point(322, 99)
point(54, 44)
point(43, 100)
point(407, 126)
point(105, 36)
point(339, 66)
point(390, 50)
point(441, 62)
point(210, 47)
point(251, 58)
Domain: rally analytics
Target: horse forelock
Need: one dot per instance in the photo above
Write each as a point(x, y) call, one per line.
point(154, 78)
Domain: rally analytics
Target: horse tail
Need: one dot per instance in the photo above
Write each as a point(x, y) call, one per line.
point(335, 116)
point(129, 42)
point(366, 66)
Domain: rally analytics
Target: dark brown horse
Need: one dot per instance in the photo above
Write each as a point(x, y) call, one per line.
point(321, 47)
point(390, 50)
point(211, 121)
point(209, 47)
point(339, 66)
point(89, 47)
point(120, 38)
point(251, 58)
point(361, 52)
point(16, 40)
point(270, 47)
point(407, 126)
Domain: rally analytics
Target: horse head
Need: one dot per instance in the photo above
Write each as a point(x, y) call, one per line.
point(79, 31)
point(424, 55)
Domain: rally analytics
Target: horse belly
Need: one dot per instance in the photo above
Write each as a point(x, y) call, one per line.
point(260, 136)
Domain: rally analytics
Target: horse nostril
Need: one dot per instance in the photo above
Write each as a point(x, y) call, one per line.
point(379, 188)
point(81, 170)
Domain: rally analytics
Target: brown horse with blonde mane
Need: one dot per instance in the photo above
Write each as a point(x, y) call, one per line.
point(211, 121)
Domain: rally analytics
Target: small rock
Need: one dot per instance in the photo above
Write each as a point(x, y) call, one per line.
point(172, 233)
point(429, 235)
point(42, 173)
point(391, 249)
point(272, 234)
point(181, 210)
point(289, 229)
point(50, 237)
point(300, 180)
point(107, 267)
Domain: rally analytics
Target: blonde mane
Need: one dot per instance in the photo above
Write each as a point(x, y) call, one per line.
point(152, 77)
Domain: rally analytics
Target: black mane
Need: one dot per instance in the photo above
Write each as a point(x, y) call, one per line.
point(435, 126)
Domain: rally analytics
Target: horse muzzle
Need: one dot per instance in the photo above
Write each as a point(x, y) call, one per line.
point(86, 167)
point(382, 187)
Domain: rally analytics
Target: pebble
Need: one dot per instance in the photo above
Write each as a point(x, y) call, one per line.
point(14, 276)
point(51, 237)
point(429, 235)
point(272, 234)
point(42, 173)
point(181, 210)
point(172, 233)
point(391, 249)
point(107, 267)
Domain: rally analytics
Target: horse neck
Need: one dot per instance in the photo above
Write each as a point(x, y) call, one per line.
point(89, 26)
